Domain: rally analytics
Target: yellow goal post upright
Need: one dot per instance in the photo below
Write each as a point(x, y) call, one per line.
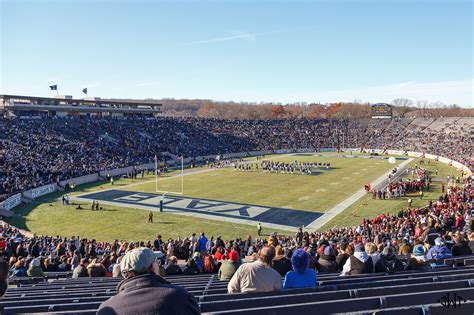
point(168, 192)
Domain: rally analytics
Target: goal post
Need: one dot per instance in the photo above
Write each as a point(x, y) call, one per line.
point(157, 179)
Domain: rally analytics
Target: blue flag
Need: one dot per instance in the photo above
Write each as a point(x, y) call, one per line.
point(53, 87)
point(84, 91)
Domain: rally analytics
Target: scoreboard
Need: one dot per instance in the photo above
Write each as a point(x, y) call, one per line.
point(382, 110)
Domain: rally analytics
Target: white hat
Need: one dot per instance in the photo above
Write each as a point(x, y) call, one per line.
point(138, 260)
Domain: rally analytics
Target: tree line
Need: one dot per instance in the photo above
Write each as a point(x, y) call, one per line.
point(244, 110)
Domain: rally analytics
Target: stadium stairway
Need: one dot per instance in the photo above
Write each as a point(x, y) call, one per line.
point(363, 293)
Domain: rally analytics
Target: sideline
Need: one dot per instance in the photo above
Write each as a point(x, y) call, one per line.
point(339, 208)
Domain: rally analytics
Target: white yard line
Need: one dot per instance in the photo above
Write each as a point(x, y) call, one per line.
point(339, 208)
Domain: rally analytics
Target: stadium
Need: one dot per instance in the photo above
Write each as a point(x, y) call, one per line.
point(300, 170)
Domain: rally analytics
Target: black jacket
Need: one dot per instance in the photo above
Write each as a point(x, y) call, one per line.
point(149, 294)
point(341, 260)
point(282, 265)
point(327, 263)
point(461, 249)
point(388, 264)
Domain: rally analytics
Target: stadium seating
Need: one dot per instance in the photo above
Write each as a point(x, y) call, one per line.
point(373, 293)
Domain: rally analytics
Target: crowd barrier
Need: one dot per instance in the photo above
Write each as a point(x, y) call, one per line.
point(15, 200)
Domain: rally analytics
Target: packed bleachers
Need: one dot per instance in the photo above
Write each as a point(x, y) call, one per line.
point(422, 283)
point(35, 152)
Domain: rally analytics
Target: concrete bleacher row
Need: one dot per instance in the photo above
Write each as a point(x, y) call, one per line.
point(380, 293)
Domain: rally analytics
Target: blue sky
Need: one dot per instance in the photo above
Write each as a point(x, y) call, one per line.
point(284, 51)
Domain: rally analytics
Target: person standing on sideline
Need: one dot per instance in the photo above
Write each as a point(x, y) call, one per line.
point(150, 217)
point(259, 229)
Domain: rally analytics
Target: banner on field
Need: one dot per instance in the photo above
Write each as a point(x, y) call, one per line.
point(43, 190)
point(11, 202)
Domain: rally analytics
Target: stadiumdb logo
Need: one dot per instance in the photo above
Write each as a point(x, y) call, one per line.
point(452, 300)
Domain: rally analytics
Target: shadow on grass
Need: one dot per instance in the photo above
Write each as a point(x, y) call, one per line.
point(22, 211)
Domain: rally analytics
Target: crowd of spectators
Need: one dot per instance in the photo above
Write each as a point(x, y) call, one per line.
point(442, 228)
point(412, 239)
point(35, 152)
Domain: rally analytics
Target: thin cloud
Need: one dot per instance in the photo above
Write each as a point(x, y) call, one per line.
point(150, 83)
point(235, 35)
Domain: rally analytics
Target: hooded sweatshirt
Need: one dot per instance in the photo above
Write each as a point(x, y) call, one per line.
point(358, 263)
point(439, 251)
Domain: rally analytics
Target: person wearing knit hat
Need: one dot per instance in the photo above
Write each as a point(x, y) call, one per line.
point(327, 260)
point(418, 259)
point(229, 267)
point(358, 263)
point(439, 251)
point(302, 276)
point(144, 292)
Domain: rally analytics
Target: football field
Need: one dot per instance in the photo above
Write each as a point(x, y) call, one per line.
point(223, 201)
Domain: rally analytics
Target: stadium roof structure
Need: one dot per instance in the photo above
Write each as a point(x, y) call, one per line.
point(66, 106)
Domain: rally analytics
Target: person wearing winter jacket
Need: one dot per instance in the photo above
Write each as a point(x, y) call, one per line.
point(460, 247)
point(388, 261)
point(35, 269)
point(358, 263)
point(439, 251)
point(418, 259)
point(327, 261)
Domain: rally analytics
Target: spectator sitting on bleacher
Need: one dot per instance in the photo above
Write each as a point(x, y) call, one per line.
point(209, 265)
point(191, 267)
point(301, 276)
point(220, 253)
point(388, 261)
point(280, 263)
point(345, 251)
point(358, 263)
point(327, 260)
point(81, 270)
point(144, 292)
point(95, 269)
point(116, 272)
point(51, 265)
point(257, 276)
point(439, 251)
point(406, 248)
point(35, 268)
point(229, 267)
point(199, 261)
point(418, 260)
point(460, 247)
point(19, 269)
point(65, 264)
point(173, 268)
point(471, 239)
point(371, 250)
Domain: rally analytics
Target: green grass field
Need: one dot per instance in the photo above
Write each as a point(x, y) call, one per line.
point(304, 192)
point(319, 193)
